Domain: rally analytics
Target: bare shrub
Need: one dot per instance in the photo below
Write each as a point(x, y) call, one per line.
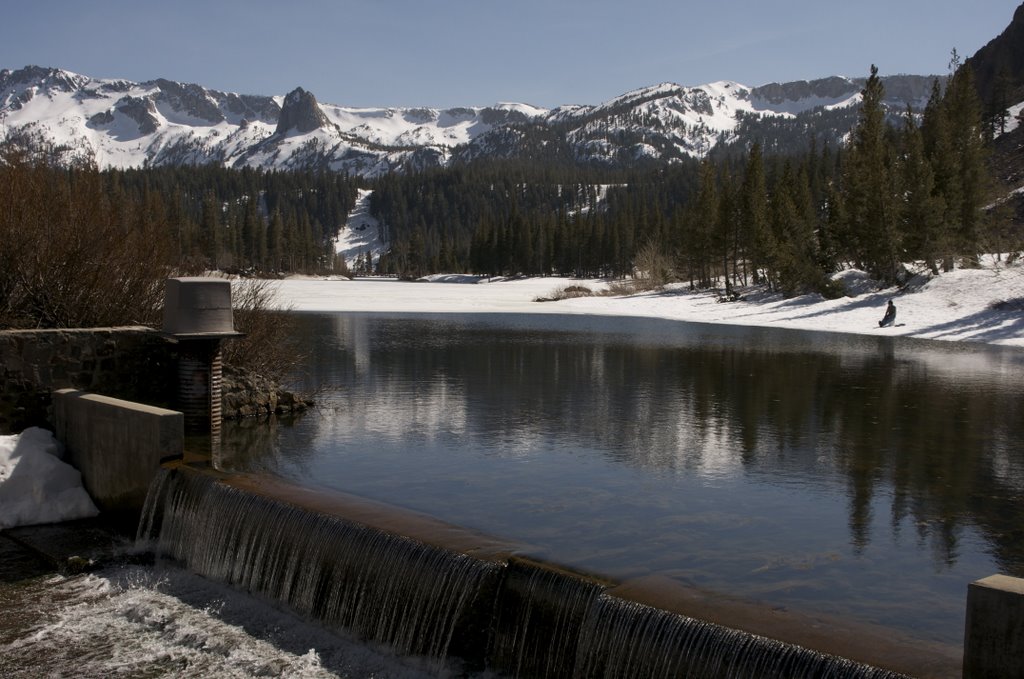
point(624, 288)
point(566, 292)
point(653, 268)
point(74, 253)
point(70, 257)
point(269, 348)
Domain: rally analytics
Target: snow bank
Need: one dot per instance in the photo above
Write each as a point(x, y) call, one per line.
point(974, 305)
point(35, 485)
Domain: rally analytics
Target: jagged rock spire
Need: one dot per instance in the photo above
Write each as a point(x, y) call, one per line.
point(300, 112)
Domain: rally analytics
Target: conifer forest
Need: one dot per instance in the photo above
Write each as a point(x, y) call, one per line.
point(903, 187)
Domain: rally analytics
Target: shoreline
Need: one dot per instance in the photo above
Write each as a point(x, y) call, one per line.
point(982, 306)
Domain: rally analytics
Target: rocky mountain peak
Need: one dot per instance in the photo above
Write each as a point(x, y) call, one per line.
point(825, 88)
point(189, 98)
point(999, 66)
point(43, 77)
point(20, 86)
point(300, 112)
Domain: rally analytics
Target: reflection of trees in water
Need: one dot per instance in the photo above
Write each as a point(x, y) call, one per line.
point(949, 451)
point(937, 443)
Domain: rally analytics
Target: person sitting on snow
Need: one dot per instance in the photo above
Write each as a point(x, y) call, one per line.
point(890, 316)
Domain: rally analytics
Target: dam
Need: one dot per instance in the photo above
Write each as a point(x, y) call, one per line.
point(621, 501)
point(464, 601)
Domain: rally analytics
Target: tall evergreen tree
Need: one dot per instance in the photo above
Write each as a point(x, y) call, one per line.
point(275, 242)
point(939, 149)
point(726, 239)
point(210, 230)
point(921, 216)
point(997, 107)
point(870, 192)
point(754, 225)
point(700, 251)
point(963, 111)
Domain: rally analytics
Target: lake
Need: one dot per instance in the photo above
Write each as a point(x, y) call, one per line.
point(862, 477)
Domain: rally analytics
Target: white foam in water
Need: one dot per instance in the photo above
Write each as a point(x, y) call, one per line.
point(163, 621)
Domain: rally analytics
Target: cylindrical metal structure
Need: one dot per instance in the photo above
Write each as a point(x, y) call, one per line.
point(199, 386)
point(198, 316)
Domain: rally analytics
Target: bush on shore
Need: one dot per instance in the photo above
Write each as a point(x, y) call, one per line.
point(73, 257)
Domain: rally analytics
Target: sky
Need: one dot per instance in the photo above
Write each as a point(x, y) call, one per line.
point(445, 53)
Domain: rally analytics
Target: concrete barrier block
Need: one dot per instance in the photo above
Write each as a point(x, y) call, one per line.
point(117, 445)
point(994, 629)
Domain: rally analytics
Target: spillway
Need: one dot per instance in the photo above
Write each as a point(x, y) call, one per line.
point(467, 603)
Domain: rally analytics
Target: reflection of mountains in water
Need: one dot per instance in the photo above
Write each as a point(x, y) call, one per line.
point(939, 425)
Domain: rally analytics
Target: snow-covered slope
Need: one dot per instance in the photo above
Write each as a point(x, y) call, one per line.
point(362, 234)
point(980, 304)
point(667, 122)
point(159, 122)
point(125, 124)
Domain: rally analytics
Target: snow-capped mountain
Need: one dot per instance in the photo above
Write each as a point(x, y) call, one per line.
point(669, 122)
point(125, 124)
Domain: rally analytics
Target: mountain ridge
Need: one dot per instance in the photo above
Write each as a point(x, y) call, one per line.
point(158, 122)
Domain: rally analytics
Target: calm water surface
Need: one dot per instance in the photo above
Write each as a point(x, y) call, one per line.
point(859, 476)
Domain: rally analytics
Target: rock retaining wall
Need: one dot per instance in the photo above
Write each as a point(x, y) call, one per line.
point(131, 363)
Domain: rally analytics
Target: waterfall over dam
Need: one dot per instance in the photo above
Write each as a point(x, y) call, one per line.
point(467, 603)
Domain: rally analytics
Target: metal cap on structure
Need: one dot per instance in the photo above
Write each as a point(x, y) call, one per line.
point(198, 308)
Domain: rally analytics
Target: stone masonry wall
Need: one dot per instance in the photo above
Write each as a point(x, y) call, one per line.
point(131, 363)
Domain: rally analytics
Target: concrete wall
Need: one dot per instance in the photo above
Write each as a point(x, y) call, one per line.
point(117, 445)
point(132, 363)
point(994, 634)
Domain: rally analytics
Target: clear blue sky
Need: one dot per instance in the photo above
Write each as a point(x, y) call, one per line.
point(444, 53)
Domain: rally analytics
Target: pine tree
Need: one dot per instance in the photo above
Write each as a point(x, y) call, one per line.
point(921, 216)
point(275, 242)
point(727, 235)
point(997, 109)
point(797, 235)
point(703, 227)
point(966, 130)
point(210, 230)
point(869, 190)
point(755, 230)
point(939, 149)
point(251, 226)
point(830, 229)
